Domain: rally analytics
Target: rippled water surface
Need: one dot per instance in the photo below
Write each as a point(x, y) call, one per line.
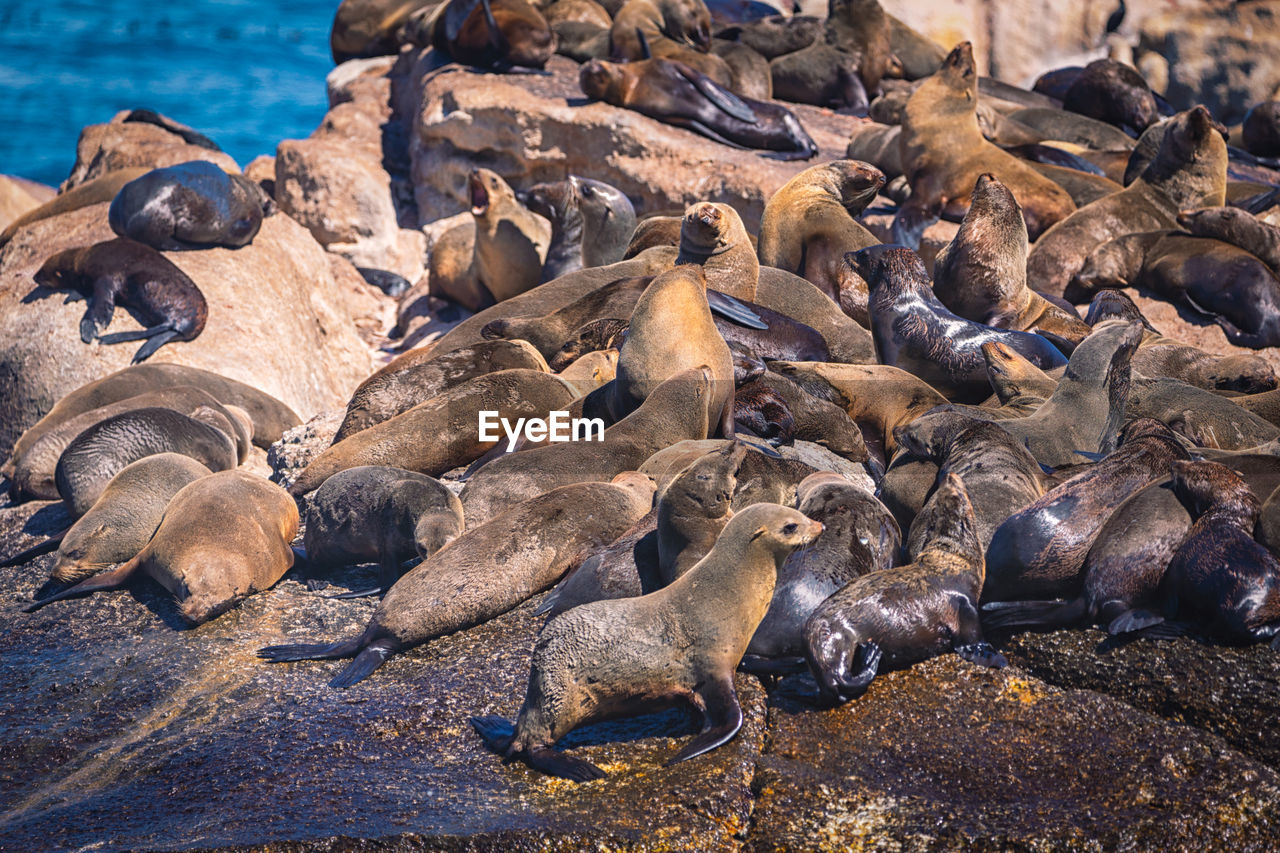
point(245, 73)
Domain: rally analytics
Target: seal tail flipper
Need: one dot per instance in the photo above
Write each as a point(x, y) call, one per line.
point(496, 39)
point(724, 718)
point(370, 658)
point(496, 732)
point(45, 547)
point(1034, 614)
point(310, 651)
point(645, 51)
point(555, 763)
point(1133, 620)
point(113, 579)
point(733, 309)
point(357, 593)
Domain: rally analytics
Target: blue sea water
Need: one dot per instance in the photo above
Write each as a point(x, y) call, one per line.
point(247, 73)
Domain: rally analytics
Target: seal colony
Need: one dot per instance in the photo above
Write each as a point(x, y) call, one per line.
point(748, 386)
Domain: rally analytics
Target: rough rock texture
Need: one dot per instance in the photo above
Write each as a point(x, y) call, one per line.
point(119, 145)
point(1215, 58)
point(18, 195)
point(298, 446)
point(531, 129)
point(277, 320)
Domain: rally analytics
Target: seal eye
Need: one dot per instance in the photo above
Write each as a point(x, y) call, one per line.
point(790, 528)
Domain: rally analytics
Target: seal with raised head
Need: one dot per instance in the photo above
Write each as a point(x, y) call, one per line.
point(913, 330)
point(943, 151)
point(378, 514)
point(712, 235)
point(488, 570)
point(611, 657)
point(222, 538)
point(809, 223)
point(128, 273)
point(364, 28)
point(678, 30)
point(694, 508)
point(897, 617)
point(193, 205)
point(843, 68)
point(591, 223)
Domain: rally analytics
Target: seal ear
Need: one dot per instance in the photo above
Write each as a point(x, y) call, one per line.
point(759, 531)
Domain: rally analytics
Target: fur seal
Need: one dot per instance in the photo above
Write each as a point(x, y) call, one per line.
point(981, 275)
point(497, 34)
point(809, 223)
point(419, 375)
point(222, 538)
point(900, 616)
point(444, 431)
point(1073, 129)
point(607, 657)
point(674, 93)
point(842, 68)
point(759, 411)
point(624, 569)
point(364, 28)
point(1209, 420)
point(374, 513)
point(944, 152)
point(913, 330)
point(485, 572)
point(1260, 133)
point(129, 273)
point(694, 508)
point(1237, 227)
point(1039, 552)
point(1012, 376)
point(592, 370)
point(713, 236)
point(604, 335)
point(1112, 92)
point(193, 205)
point(678, 30)
point(591, 223)
point(775, 35)
point(812, 419)
point(95, 456)
point(1189, 171)
point(859, 536)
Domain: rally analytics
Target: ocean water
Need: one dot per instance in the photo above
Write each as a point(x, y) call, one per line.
point(247, 73)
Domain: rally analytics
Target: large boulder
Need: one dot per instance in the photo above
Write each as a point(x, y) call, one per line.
point(121, 144)
point(531, 128)
point(277, 320)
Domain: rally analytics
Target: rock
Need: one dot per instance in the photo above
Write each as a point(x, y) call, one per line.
point(1230, 691)
point(947, 755)
point(373, 311)
point(824, 460)
point(261, 169)
point(18, 195)
point(119, 144)
point(277, 320)
point(531, 128)
point(935, 236)
point(298, 446)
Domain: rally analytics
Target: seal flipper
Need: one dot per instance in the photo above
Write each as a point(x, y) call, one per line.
point(498, 734)
point(1133, 620)
point(370, 658)
point(113, 579)
point(724, 100)
point(866, 662)
point(157, 336)
point(732, 309)
point(968, 642)
point(776, 667)
point(45, 547)
point(358, 593)
point(311, 651)
point(102, 306)
point(723, 715)
point(496, 39)
point(700, 128)
point(1034, 614)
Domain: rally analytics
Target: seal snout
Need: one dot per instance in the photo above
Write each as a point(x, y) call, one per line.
point(479, 193)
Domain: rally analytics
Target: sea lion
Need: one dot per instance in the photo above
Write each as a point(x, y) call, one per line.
point(812, 419)
point(1236, 289)
point(859, 536)
point(1189, 171)
point(1209, 420)
point(222, 538)
point(270, 417)
point(900, 616)
point(844, 67)
point(913, 330)
point(129, 273)
point(1237, 227)
point(591, 371)
point(944, 152)
point(1260, 133)
point(1074, 129)
point(981, 275)
point(713, 236)
point(497, 34)
point(999, 474)
point(1039, 552)
point(1220, 579)
point(363, 28)
point(98, 190)
point(775, 35)
point(374, 513)
point(581, 319)
point(763, 475)
point(499, 257)
point(591, 223)
point(677, 409)
point(443, 432)
point(604, 335)
point(809, 224)
point(1012, 376)
point(194, 205)
point(674, 93)
point(607, 657)
point(488, 570)
point(104, 449)
point(419, 375)
point(694, 508)
point(678, 30)
point(33, 469)
point(1113, 92)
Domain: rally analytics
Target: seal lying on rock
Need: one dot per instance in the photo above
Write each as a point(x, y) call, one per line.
point(190, 205)
point(618, 657)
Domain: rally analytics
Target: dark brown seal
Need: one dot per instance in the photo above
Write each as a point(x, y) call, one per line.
point(811, 418)
point(1237, 227)
point(1113, 92)
point(192, 205)
point(1207, 419)
point(128, 273)
point(900, 616)
point(363, 28)
point(608, 657)
point(591, 223)
point(1260, 133)
point(487, 571)
point(843, 68)
point(223, 537)
point(498, 34)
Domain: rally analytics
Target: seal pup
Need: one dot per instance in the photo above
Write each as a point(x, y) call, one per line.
point(913, 330)
point(375, 513)
point(1038, 552)
point(1189, 171)
point(222, 538)
point(99, 453)
point(676, 94)
point(193, 205)
point(129, 273)
point(693, 509)
point(592, 370)
point(1115, 93)
point(809, 418)
point(897, 617)
point(1220, 578)
point(616, 657)
point(981, 275)
point(488, 570)
point(809, 223)
point(943, 152)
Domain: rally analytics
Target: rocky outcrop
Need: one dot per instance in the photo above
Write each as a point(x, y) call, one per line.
point(532, 128)
point(277, 320)
point(121, 144)
point(18, 195)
